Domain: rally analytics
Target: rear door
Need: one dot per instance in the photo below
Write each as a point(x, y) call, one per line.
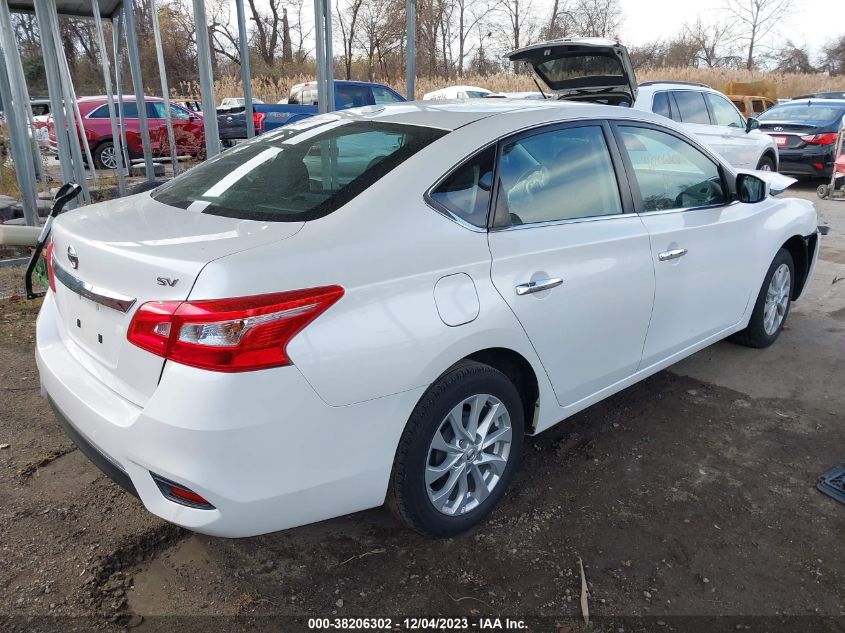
point(569, 259)
point(703, 261)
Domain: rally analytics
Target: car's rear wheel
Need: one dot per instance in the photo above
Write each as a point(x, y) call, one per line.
point(772, 306)
point(459, 451)
point(105, 156)
point(766, 164)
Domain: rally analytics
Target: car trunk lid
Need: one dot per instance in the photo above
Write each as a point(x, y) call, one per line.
point(109, 259)
point(582, 69)
point(787, 135)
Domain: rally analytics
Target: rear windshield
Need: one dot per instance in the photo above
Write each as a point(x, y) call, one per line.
point(802, 112)
point(297, 173)
point(562, 70)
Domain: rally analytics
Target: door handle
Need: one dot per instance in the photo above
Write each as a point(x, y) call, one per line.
point(666, 256)
point(538, 286)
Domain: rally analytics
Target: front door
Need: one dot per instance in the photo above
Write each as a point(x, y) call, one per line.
point(574, 267)
point(699, 239)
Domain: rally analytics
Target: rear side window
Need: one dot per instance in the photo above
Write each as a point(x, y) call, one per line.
point(130, 110)
point(660, 105)
point(297, 173)
point(691, 106)
point(557, 175)
point(466, 191)
point(724, 113)
point(671, 173)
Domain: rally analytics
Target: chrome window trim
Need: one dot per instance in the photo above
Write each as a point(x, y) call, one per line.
point(720, 205)
point(449, 215)
point(536, 225)
point(104, 297)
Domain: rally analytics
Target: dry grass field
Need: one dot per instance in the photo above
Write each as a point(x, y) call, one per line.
point(788, 85)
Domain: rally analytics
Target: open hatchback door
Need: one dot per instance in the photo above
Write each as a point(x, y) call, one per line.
point(583, 69)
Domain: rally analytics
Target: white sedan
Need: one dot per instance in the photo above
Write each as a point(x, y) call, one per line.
point(261, 343)
point(457, 92)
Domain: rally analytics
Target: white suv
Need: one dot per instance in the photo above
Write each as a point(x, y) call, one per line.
point(711, 117)
point(600, 71)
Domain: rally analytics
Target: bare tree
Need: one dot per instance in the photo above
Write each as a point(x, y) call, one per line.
point(757, 19)
point(268, 26)
point(347, 18)
point(596, 18)
point(714, 41)
point(833, 57)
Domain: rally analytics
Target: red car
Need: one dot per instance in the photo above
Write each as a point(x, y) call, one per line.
point(187, 128)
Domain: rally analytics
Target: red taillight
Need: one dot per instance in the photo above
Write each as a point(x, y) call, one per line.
point(258, 120)
point(820, 139)
point(242, 334)
point(48, 256)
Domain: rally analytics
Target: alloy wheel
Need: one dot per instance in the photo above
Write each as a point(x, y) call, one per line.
point(108, 157)
point(468, 454)
point(777, 299)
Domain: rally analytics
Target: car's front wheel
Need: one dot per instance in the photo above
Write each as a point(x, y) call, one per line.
point(772, 306)
point(458, 452)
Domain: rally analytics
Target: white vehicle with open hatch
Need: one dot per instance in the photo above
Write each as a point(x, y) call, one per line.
point(379, 304)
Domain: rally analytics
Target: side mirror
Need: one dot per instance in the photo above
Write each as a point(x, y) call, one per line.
point(751, 124)
point(751, 189)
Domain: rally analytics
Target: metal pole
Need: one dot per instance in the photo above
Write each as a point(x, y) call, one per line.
point(117, 37)
point(165, 91)
point(104, 63)
point(320, 53)
point(54, 88)
point(327, 17)
point(20, 93)
point(411, 49)
point(325, 58)
point(243, 44)
point(138, 84)
point(209, 111)
point(20, 152)
point(70, 113)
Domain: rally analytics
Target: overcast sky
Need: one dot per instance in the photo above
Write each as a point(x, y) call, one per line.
point(812, 22)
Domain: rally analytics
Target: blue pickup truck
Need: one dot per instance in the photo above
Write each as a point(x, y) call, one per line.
point(301, 104)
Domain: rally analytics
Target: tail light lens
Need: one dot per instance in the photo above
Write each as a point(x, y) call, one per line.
point(258, 120)
point(48, 256)
point(229, 335)
point(820, 139)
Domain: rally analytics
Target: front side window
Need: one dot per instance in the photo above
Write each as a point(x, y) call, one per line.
point(671, 173)
point(298, 172)
point(557, 175)
point(691, 106)
point(466, 191)
point(724, 113)
point(155, 110)
point(383, 95)
point(351, 96)
point(179, 113)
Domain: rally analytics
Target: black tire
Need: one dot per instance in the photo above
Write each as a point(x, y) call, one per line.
point(755, 334)
point(408, 496)
point(100, 162)
point(766, 164)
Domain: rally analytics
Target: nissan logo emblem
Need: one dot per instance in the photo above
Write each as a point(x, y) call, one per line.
point(72, 257)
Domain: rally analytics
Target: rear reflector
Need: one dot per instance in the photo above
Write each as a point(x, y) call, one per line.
point(258, 120)
point(181, 494)
point(229, 335)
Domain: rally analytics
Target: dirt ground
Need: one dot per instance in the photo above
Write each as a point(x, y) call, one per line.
point(687, 496)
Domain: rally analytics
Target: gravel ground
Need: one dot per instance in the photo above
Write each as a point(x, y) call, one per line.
point(689, 498)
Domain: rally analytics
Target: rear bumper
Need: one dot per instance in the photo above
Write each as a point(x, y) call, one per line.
point(807, 162)
point(261, 447)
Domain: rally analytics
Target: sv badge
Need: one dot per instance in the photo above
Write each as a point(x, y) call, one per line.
point(166, 281)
